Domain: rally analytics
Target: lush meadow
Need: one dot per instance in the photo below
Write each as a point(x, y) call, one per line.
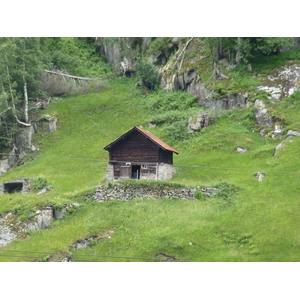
point(256, 221)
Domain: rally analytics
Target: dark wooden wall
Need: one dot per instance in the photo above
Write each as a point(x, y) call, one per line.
point(135, 147)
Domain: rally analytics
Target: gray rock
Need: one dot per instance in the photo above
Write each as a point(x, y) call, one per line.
point(278, 148)
point(43, 219)
point(282, 83)
point(241, 150)
point(154, 57)
point(58, 214)
point(196, 88)
point(5, 166)
point(197, 122)
point(259, 176)
point(11, 227)
point(7, 234)
point(23, 139)
point(231, 101)
point(293, 133)
point(42, 191)
point(261, 114)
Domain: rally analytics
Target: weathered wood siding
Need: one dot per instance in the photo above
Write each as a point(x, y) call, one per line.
point(149, 172)
point(123, 171)
point(165, 156)
point(135, 148)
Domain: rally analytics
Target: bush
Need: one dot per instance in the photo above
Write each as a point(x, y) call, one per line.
point(162, 101)
point(38, 183)
point(199, 195)
point(148, 74)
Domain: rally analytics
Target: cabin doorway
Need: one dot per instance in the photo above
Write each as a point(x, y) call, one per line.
point(136, 172)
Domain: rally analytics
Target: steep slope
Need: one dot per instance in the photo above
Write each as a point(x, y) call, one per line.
point(258, 222)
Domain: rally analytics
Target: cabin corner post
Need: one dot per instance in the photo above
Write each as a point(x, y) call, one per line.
point(109, 172)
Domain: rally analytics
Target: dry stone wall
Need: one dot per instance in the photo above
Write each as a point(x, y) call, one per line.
point(122, 192)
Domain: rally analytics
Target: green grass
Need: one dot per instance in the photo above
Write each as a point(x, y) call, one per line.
point(259, 222)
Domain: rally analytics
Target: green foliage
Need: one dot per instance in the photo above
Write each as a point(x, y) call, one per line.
point(24, 211)
point(58, 207)
point(76, 56)
point(172, 110)
point(226, 191)
point(199, 195)
point(269, 45)
point(38, 183)
point(45, 258)
point(162, 101)
point(131, 183)
point(261, 226)
point(147, 73)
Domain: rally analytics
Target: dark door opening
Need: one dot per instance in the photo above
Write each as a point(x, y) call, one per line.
point(136, 172)
point(13, 187)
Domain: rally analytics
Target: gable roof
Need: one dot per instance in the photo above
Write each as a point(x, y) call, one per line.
point(146, 133)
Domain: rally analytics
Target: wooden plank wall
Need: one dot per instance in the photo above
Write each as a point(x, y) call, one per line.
point(135, 148)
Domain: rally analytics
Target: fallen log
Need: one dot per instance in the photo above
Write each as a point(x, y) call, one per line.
point(71, 76)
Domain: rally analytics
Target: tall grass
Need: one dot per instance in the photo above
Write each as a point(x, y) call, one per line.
point(259, 222)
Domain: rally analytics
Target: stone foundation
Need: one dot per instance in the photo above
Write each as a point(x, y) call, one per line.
point(150, 171)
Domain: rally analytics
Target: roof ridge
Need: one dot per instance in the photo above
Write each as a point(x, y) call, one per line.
point(150, 135)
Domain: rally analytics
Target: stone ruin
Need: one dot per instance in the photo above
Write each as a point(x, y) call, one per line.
point(15, 186)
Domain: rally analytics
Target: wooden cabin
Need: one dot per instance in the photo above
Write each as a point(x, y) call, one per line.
point(139, 154)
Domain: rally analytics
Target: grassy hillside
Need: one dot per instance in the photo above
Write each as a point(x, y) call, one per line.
point(259, 222)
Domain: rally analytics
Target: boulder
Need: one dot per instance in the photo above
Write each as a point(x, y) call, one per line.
point(261, 114)
point(292, 133)
point(23, 139)
point(231, 101)
point(241, 150)
point(278, 148)
point(197, 122)
point(259, 176)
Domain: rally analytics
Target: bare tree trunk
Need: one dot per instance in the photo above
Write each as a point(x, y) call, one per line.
point(182, 53)
point(71, 76)
point(238, 52)
point(219, 49)
point(25, 96)
point(13, 101)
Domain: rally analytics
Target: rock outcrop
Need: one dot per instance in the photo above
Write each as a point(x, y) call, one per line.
point(261, 114)
point(282, 83)
point(189, 81)
point(11, 227)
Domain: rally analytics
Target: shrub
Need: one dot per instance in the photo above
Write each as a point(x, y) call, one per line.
point(148, 74)
point(199, 195)
point(162, 101)
point(38, 183)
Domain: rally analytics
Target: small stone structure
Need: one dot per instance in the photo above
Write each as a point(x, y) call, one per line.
point(15, 186)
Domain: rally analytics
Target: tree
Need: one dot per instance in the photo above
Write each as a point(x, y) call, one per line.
point(239, 49)
point(270, 45)
point(148, 74)
point(21, 64)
